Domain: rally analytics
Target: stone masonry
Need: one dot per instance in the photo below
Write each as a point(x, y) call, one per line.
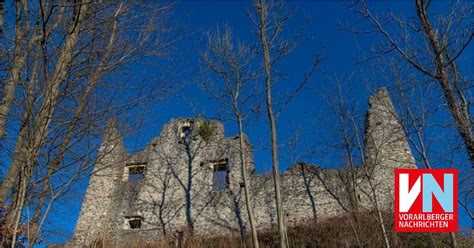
point(189, 179)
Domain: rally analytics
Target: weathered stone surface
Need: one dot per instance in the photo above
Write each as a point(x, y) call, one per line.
point(177, 193)
point(386, 147)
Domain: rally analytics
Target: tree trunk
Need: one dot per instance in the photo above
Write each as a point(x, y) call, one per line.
point(452, 237)
point(13, 219)
point(77, 116)
point(41, 124)
point(271, 119)
point(19, 58)
point(18, 155)
point(377, 208)
point(243, 162)
point(459, 112)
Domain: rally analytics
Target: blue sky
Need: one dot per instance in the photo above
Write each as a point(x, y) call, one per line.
point(308, 112)
point(340, 49)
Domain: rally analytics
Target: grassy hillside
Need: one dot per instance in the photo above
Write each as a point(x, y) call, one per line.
point(335, 232)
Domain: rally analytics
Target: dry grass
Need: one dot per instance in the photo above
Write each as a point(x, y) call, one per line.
point(335, 232)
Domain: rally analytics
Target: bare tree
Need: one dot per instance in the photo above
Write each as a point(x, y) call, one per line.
point(365, 187)
point(346, 143)
point(56, 88)
point(444, 42)
point(432, 45)
point(263, 14)
point(233, 64)
point(419, 109)
point(270, 19)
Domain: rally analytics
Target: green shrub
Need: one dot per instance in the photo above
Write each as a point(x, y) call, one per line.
point(207, 130)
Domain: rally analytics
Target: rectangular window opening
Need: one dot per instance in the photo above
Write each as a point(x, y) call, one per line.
point(136, 171)
point(133, 222)
point(220, 175)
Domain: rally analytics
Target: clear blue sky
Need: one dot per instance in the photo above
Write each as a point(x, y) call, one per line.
point(308, 112)
point(340, 49)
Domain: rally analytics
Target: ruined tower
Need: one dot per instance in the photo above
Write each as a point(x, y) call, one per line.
point(103, 182)
point(386, 146)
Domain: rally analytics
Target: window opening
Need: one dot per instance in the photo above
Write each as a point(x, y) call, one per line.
point(220, 175)
point(185, 132)
point(136, 172)
point(134, 222)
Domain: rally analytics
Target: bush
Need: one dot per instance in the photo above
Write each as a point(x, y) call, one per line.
point(206, 130)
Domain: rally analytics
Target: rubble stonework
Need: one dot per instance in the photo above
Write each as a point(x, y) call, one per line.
point(178, 189)
point(386, 146)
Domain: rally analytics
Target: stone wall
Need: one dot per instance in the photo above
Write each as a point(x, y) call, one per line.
point(176, 193)
point(99, 199)
point(386, 147)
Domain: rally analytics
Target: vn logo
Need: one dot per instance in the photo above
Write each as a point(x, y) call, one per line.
point(426, 200)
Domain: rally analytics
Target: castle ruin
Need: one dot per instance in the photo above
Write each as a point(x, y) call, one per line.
point(189, 178)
